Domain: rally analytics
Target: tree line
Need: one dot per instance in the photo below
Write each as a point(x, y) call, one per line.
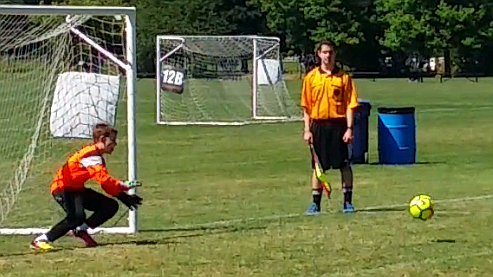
point(371, 34)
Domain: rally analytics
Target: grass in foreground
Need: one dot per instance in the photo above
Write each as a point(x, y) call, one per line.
point(252, 181)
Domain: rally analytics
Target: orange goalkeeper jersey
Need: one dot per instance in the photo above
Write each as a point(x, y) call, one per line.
point(85, 164)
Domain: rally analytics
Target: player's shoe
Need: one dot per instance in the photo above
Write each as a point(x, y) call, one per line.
point(41, 245)
point(90, 242)
point(314, 209)
point(348, 208)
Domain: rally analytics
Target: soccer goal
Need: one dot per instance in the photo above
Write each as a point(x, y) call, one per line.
point(62, 70)
point(221, 80)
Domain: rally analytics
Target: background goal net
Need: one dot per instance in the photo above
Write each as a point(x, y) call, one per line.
point(221, 80)
point(62, 70)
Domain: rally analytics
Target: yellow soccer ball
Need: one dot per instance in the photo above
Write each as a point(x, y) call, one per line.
point(421, 207)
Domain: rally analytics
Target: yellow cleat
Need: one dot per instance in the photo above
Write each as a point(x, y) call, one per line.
point(41, 245)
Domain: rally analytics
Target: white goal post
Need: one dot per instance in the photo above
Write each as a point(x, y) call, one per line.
point(221, 80)
point(62, 70)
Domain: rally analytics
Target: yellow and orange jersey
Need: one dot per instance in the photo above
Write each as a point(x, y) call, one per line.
point(328, 96)
point(85, 164)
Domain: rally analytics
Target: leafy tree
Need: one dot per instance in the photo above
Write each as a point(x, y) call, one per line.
point(406, 24)
point(243, 18)
point(434, 26)
point(333, 20)
point(286, 19)
point(303, 23)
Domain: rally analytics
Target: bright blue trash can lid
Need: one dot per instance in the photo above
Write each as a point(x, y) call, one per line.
point(401, 110)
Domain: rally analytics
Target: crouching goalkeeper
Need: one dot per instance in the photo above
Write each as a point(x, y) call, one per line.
point(68, 189)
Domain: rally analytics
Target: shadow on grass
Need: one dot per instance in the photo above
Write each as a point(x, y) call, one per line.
point(35, 252)
point(172, 239)
point(144, 242)
point(205, 227)
point(233, 225)
point(381, 209)
point(444, 240)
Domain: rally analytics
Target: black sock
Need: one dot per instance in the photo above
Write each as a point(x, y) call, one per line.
point(348, 195)
point(317, 196)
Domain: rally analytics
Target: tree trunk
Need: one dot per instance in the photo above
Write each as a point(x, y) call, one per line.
point(448, 67)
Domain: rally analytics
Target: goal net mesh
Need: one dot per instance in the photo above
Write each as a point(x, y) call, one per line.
point(54, 86)
point(217, 82)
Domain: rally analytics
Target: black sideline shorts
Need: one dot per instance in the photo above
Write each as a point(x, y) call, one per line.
point(331, 150)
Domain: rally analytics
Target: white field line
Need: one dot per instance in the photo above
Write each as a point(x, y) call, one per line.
point(277, 217)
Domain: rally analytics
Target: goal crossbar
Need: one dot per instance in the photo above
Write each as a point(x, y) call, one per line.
point(216, 36)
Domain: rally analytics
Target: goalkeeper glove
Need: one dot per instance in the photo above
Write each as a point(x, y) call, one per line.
point(131, 201)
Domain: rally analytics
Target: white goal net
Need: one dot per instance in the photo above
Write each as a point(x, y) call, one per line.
point(221, 80)
point(62, 70)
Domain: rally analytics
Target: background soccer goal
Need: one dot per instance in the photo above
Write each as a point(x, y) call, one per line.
point(221, 80)
point(62, 70)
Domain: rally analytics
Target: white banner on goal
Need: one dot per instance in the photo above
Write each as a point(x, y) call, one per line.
point(269, 72)
point(82, 100)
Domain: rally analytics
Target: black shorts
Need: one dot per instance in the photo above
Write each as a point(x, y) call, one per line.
point(331, 150)
point(75, 202)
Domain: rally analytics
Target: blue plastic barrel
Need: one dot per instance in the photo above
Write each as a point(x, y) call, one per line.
point(359, 146)
point(396, 135)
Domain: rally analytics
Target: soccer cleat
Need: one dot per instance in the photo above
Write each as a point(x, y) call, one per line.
point(90, 242)
point(314, 209)
point(348, 208)
point(41, 245)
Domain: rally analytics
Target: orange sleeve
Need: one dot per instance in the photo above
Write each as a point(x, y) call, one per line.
point(109, 184)
point(306, 94)
point(352, 94)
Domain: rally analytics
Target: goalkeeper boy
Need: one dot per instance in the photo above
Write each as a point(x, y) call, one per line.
point(68, 189)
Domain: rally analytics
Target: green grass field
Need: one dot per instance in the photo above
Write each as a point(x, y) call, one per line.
point(229, 201)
